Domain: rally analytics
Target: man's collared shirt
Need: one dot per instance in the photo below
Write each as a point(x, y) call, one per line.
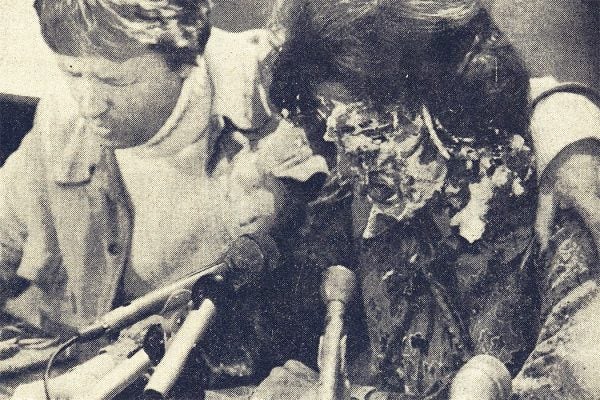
point(66, 215)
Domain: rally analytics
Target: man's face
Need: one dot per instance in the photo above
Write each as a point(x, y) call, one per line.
point(124, 103)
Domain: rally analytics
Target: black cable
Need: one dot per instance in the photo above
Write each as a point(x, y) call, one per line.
point(62, 348)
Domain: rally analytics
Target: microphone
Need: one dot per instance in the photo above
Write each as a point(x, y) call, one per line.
point(246, 257)
point(337, 289)
point(118, 378)
point(245, 261)
point(212, 295)
point(482, 378)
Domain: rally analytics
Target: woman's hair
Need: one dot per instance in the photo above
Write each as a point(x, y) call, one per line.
point(447, 53)
point(178, 29)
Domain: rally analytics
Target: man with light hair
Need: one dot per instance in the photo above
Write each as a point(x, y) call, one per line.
point(163, 153)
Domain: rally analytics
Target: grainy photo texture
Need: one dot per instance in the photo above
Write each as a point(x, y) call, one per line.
point(299, 199)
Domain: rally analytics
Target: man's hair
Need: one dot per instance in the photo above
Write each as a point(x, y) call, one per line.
point(178, 29)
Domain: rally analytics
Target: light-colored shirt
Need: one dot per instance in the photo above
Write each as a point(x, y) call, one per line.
point(65, 224)
point(185, 217)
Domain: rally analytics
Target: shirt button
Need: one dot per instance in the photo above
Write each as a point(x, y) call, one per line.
point(114, 248)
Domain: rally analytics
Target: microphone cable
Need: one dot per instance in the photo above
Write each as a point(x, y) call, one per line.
point(50, 364)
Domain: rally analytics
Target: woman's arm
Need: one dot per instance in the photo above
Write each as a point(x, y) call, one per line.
point(565, 129)
point(566, 359)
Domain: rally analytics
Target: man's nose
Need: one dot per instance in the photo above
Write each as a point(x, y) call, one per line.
point(93, 102)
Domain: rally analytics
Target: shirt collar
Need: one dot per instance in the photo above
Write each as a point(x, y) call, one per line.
point(190, 117)
point(82, 152)
point(239, 64)
point(79, 159)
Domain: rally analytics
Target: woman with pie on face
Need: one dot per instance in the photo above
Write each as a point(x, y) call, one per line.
point(148, 169)
point(429, 108)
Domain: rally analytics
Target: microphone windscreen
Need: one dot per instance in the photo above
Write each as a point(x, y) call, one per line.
point(218, 291)
point(248, 257)
point(482, 378)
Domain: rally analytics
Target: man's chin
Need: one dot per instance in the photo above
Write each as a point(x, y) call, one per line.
point(117, 135)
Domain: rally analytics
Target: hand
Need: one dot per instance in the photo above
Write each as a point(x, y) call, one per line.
point(573, 182)
point(294, 380)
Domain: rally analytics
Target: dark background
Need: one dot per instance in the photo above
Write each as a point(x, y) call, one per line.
point(16, 118)
point(555, 37)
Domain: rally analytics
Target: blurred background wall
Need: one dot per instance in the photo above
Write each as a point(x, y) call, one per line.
point(26, 64)
point(557, 37)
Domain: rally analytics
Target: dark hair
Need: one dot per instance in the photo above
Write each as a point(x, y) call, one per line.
point(446, 53)
point(178, 29)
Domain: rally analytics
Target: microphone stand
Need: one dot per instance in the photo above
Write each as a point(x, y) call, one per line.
point(246, 259)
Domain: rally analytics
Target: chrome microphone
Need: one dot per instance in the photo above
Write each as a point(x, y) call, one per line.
point(338, 287)
point(482, 378)
point(118, 378)
point(212, 295)
point(245, 256)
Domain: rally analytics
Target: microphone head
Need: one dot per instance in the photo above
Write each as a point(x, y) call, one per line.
point(154, 343)
point(248, 257)
point(482, 378)
point(212, 288)
point(339, 283)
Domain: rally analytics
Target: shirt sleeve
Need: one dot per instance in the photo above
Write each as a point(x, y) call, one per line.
point(566, 357)
point(21, 187)
point(562, 114)
point(13, 231)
